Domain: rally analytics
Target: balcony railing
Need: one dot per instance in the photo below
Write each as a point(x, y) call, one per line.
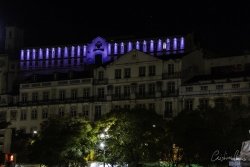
point(100, 82)
point(171, 75)
point(223, 91)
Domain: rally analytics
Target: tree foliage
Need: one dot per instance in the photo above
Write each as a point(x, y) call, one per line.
point(135, 136)
point(63, 141)
point(201, 132)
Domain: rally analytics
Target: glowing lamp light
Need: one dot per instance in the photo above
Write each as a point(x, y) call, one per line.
point(102, 135)
point(144, 46)
point(34, 131)
point(102, 145)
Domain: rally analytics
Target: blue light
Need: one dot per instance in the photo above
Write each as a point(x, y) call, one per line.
point(115, 48)
point(109, 49)
point(59, 52)
point(129, 46)
point(65, 51)
point(84, 50)
point(144, 46)
point(40, 53)
point(174, 44)
point(47, 53)
point(78, 51)
point(138, 45)
point(151, 46)
point(159, 45)
point(28, 54)
point(168, 44)
point(22, 54)
point(122, 48)
point(53, 53)
point(182, 43)
point(33, 54)
point(72, 51)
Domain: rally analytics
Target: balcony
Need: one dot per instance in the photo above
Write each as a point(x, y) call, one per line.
point(101, 82)
point(120, 97)
point(145, 95)
point(171, 75)
point(217, 92)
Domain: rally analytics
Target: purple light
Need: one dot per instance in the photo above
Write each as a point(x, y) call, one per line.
point(65, 51)
point(47, 53)
point(28, 54)
point(33, 54)
point(174, 44)
point(84, 50)
point(144, 46)
point(164, 46)
point(109, 49)
point(138, 45)
point(72, 51)
point(59, 51)
point(129, 46)
point(122, 48)
point(53, 53)
point(78, 51)
point(151, 46)
point(40, 53)
point(22, 54)
point(168, 44)
point(182, 44)
point(159, 45)
point(115, 48)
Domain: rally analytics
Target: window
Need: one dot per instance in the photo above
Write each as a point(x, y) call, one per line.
point(24, 97)
point(203, 103)
point(168, 109)
point(34, 97)
point(127, 91)
point(100, 92)
point(151, 106)
point(75, 62)
point(45, 113)
point(127, 106)
point(118, 73)
point(98, 112)
point(62, 94)
point(61, 112)
point(74, 94)
point(151, 89)
point(189, 104)
point(127, 72)
point(142, 90)
point(204, 88)
point(3, 115)
point(171, 87)
point(142, 106)
point(189, 89)
point(73, 112)
point(34, 114)
point(142, 71)
point(151, 71)
point(13, 115)
point(86, 92)
point(100, 75)
point(85, 111)
point(236, 86)
point(219, 87)
point(170, 69)
point(45, 96)
point(117, 91)
point(23, 115)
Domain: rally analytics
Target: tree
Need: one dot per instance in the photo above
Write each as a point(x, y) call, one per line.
point(202, 132)
point(135, 136)
point(63, 141)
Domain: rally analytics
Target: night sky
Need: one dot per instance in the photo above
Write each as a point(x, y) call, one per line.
point(218, 27)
